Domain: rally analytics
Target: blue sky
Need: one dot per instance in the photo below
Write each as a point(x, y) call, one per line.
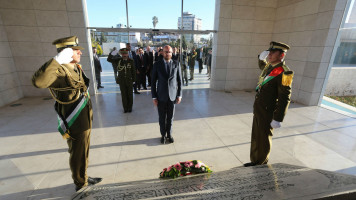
point(107, 13)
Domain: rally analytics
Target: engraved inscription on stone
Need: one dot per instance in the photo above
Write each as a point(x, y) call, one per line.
point(276, 181)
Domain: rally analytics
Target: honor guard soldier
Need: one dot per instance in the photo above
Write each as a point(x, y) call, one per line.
point(271, 101)
point(126, 75)
point(191, 63)
point(68, 85)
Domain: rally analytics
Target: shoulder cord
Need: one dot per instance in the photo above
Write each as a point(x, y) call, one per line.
point(67, 88)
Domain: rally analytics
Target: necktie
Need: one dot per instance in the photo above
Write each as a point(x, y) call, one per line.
point(130, 55)
point(166, 67)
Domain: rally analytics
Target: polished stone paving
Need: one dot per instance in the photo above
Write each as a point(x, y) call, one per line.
point(275, 181)
point(212, 126)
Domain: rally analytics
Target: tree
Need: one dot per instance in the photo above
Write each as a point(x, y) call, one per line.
point(102, 38)
point(184, 42)
point(94, 43)
point(154, 21)
point(210, 41)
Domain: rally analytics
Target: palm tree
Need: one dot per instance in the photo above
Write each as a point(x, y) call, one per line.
point(154, 21)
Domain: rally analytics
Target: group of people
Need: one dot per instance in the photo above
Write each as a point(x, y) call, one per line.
point(68, 85)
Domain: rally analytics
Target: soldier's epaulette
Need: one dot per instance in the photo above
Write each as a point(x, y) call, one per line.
point(287, 78)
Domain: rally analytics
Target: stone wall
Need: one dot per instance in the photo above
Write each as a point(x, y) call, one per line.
point(10, 89)
point(29, 28)
point(310, 27)
point(246, 27)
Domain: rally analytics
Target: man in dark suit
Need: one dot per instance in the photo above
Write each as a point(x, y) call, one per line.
point(132, 55)
point(200, 57)
point(166, 91)
point(149, 61)
point(97, 67)
point(141, 67)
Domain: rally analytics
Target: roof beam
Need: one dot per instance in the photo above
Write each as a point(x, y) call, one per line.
point(143, 30)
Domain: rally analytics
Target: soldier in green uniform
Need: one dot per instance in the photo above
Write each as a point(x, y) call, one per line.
point(68, 85)
point(126, 75)
point(191, 63)
point(271, 101)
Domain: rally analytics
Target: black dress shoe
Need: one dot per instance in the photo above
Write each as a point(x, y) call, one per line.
point(101, 86)
point(129, 110)
point(145, 88)
point(249, 164)
point(77, 188)
point(125, 111)
point(93, 181)
point(163, 140)
point(137, 92)
point(170, 139)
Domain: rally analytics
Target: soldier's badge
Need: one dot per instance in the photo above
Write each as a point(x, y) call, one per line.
point(287, 78)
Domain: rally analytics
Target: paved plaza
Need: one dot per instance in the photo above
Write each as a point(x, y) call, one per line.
point(212, 126)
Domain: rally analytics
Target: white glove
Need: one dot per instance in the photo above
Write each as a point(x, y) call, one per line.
point(263, 55)
point(275, 124)
point(65, 56)
point(114, 52)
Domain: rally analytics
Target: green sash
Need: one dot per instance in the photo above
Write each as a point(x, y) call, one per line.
point(275, 72)
point(64, 123)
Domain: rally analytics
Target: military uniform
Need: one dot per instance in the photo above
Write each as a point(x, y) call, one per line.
point(271, 103)
point(184, 68)
point(69, 87)
point(191, 63)
point(126, 76)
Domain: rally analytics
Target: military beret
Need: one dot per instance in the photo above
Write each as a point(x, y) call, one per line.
point(278, 46)
point(124, 51)
point(71, 42)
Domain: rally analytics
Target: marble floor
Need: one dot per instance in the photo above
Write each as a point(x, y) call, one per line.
point(212, 126)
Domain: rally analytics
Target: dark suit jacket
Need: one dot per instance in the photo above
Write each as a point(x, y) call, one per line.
point(134, 58)
point(176, 57)
point(149, 60)
point(141, 64)
point(166, 86)
point(97, 64)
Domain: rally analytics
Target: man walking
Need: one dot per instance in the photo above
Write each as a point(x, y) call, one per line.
point(125, 78)
point(271, 101)
point(68, 84)
point(166, 91)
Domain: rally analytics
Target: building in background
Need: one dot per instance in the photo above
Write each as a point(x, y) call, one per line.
point(190, 22)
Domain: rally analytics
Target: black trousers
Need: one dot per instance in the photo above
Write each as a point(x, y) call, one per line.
point(165, 116)
point(98, 77)
point(141, 78)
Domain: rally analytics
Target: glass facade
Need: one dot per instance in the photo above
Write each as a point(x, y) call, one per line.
point(346, 49)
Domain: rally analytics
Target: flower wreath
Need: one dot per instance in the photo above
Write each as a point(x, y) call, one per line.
point(184, 169)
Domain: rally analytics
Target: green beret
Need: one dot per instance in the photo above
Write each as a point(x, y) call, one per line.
point(70, 42)
point(278, 46)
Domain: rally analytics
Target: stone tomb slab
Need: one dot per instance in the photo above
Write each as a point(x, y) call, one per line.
point(276, 181)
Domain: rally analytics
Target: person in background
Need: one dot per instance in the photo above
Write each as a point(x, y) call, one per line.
point(132, 55)
point(208, 62)
point(191, 63)
point(115, 54)
point(97, 67)
point(149, 61)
